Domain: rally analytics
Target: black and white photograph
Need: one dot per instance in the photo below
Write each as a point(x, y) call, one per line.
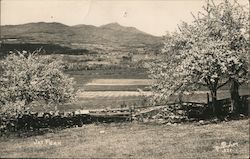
point(148, 79)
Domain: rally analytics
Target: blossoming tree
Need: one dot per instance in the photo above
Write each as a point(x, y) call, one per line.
point(209, 52)
point(29, 77)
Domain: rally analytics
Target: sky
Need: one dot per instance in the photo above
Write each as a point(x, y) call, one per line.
point(155, 17)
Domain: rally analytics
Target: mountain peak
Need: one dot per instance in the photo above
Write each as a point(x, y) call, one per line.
point(118, 27)
point(112, 25)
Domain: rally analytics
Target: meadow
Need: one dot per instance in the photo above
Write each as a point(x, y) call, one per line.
point(134, 140)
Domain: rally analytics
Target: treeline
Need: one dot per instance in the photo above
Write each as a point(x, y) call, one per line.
point(46, 49)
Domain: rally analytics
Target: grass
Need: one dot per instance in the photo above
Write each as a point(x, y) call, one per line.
point(85, 75)
point(102, 103)
point(134, 140)
point(125, 82)
point(113, 87)
point(94, 103)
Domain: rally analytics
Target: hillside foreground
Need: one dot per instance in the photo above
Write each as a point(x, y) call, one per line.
point(135, 140)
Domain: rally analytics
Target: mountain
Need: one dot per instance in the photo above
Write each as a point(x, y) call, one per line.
point(118, 27)
point(112, 35)
point(37, 32)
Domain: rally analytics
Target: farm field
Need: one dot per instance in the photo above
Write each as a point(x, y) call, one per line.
point(117, 84)
point(126, 82)
point(87, 76)
point(116, 99)
point(102, 89)
point(135, 140)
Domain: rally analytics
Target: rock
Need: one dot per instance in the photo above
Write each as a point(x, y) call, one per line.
point(40, 114)
point(102, 132)
point(181, 112)
point(169, 124)
point(242, 115)
point(223, 143)
point(175, 124)
point(161, 121)
point(82, 112)
point(201, 122)
point(215, 120)
point(145, 120)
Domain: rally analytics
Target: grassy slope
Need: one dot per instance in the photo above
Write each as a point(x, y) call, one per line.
point(131, 140)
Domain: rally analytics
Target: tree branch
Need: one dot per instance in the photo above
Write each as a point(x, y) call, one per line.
point(202, 84)
point(223, 84)
point(208, 85)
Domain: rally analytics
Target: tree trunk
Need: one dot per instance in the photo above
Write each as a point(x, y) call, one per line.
point(214, 101)
point(235, 97)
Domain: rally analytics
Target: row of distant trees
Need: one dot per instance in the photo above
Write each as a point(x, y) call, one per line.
point(210, 52)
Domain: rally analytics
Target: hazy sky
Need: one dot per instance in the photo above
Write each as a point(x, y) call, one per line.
point(151, 16)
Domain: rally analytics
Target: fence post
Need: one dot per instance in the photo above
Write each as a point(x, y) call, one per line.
point(131, 113)
point(207, 98)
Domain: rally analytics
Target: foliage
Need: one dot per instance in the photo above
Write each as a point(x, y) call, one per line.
point(207, 52)
point(29, 77)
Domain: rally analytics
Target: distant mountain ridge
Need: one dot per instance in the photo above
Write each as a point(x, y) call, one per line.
point(112, 34)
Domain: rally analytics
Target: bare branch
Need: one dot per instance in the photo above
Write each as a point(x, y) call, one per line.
point(223, 84)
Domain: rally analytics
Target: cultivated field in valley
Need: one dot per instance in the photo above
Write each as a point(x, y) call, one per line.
point(100, 89)
point(113, 89)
